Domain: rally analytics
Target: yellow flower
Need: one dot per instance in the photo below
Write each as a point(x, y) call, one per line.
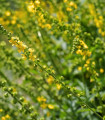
point(50, 79)
point(91, 80)
point(24, 57)
point(78, 47)
point(79, 52)
point(14, 90)
point(53, 71)
point(44, 66)
point(103, 34)
point(7, 13)
point(20, 43)
point(48, 114)
point(58, 86)
point(93, 63)
point(30, 8)
point(100, 30)
point(84, 57)
point(88, 61)
point(87, 68)
point(50, 106)
point(21, 47)
point(101, 70)
point(37, 2)
point(101, 17)
point(65, 1)
point(82, 42)
point(69, 9)
point(71, 3)
point(7, 116)
point(75, 6)
point(32, 57)
point(79, 68)
point(13, 41)
point(85, 65)
point(41, 99)
point(25, 101)
point(31, 50)
point(14, 17)
point(1, 20)
point(3, 118)
point(13, 22)
point(85, 46)
point(1, 110)
point(89, 53)
point(48, 26)
point(44, 105)
point(77, 17)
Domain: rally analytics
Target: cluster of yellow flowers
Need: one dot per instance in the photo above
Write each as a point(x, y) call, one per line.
point(70, 5)
point(10, 17)
point(50, 80)
point(19, 44)
point(43, 103)
point(31, 6)
point(65, 28)
point(41, 99)
point(87, 64)
point(41, 21)
point(31, 56)
point(5, 21)
point(22, 48)
point(83, 49)
point(98, 19)
point(6, 117)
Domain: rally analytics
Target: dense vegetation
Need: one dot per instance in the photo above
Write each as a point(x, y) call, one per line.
point(52, 60)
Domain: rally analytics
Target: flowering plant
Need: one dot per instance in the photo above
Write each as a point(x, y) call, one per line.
point(52, 60)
